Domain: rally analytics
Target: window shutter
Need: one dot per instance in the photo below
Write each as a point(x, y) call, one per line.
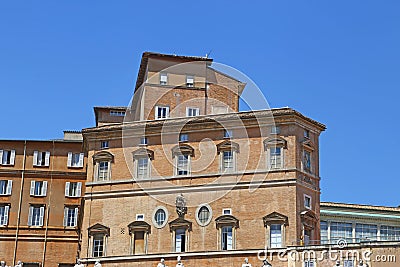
point(69, 161)
point(6, 210)
point(32, 188)
point(44, 189)
point(65, 216)
point(35, 158)
point(81, 157)
point(167, 112)
point(30, 215)
point(12, 157)
point(1, 157)
point(96, 172)
point(79, 189)
point(47, 159)
point(76, 217)
point(41, 216)
point(67, 189)
point(9, 187)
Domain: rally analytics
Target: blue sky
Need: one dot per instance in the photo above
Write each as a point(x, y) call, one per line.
point(335, 61)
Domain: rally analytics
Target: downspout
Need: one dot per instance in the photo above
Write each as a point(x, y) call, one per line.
point(19, 204)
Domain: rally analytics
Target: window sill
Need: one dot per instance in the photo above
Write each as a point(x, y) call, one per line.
point(5, 195)
point(72, 196)
point(37, 196)
point(75, 167)
point(41, 166)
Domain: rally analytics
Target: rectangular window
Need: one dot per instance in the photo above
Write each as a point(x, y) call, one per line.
point(390, 233)
point(275, 130)
point(103, 171)
point(307, 236)
point(104, 144)
point(139, 217)
point(143, 141)
point(182, 165)
point(189, 81)
point(117, 113)
point(98, 245)
point(348, 263)
point(307, 161)
point(75, 160)
point(276, 236)
point(228, 134)
point(41, 158)
point(228, 161)
point(36, 214)
point(6, 187)
point(73, 189)
point(38, 188)
point(192, 112)
point(227, 211)
point(162, 112)
point(70, 216)
point(307, 202)
point(143, 167)
point(309, 263)
point(341, 231)
point(163, 78)
point(183, 137)
point(226, 238)
point(7, 157)
point(275, 157)
point(324, 232)
point(180, 240)
point(366, 232)
point(307, 134)
point(4, 210)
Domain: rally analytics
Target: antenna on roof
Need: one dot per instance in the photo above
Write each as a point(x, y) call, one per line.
point(208, 54)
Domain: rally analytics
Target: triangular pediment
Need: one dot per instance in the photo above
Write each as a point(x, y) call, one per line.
point(180, 222)
point(98, 229)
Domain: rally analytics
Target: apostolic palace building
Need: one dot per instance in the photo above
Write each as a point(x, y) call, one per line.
point(182, 171)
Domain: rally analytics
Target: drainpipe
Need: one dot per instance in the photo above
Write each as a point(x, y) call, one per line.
point(19, 205)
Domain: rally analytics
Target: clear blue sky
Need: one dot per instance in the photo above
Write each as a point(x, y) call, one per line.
point(335, 61)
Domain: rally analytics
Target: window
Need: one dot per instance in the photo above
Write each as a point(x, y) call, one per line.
point(189, 81)
point(41, 159)
point(341, 230)
point(348, 263)
point(227, 211)
point(103, 171)
point(143, 168)
point(227, 238)
point(227, 133)
point(309, 263)
point(70, 216)
point(163, 78)
point(98, 245)
point(366, 232)
point(307, 202)
point(6, 187)
point(306, 133)
point(4, 210)
point(182, 166)
point(203, 215)
point(275, 158)
point(160, 217)
point(75, 160)
point(183, 137)
point(104, 144)
point(324, 232)
point(162, 112)
point(228, 162)
point(7, 157)
point(139, 243)
point(36, 214)
point(38, 188)
point(144, 141)
point(180, 240)
point(390, 233)
point(139, 217)
point(73, 189)
point(192, 112)
point(117, 113)
point(307, 161)
point(275, 236)
point(275, 130)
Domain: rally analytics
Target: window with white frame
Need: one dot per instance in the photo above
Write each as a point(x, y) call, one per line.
point(41, 158)
point(348, 263)
point(139, 217)
point(144, 141)
point(227, 212)
point(162, 112)
point(103, 171)
point(275, 236)
point(36, 215)
point(6, 187)
point(160, 217)
point(38, 188)
point(73, 189)
point(228, 161)
point(306, 133)
point(307, 161)
point(104, 144)
point(70, 216)
point(4, 211)
point(7, 157)
point(366, 232)
point(227, 238)
point(324, 232)
point(341, 230)
point(309, 263)
point(390, 233)
point(275, 130)
point(183, 137)
point(189, 81)
point(275, 157)
point(75, 160)
point(143, 167)
point(203, 215)
point(228, 133)
point(307, 201)
point(163, 78)
point(180, 240)
point(192, 112)
point(117, 113)
point(183, 164)
point(98, 245)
